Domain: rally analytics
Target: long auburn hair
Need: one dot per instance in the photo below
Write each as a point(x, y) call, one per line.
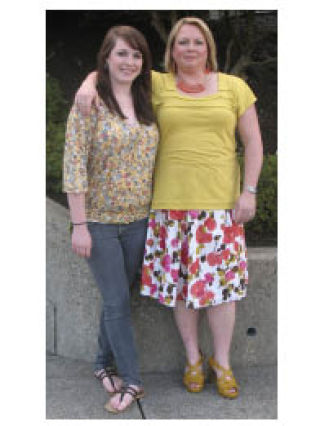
point(141, 86)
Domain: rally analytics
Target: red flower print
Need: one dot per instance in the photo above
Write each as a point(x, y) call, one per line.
point(243, 265)
point(184, 291)
point(152, 223)
point(210, 223)
point(175, 274)
point(214, 259)
point(238, 229)
point(184, 252)
point(229, 234)
point(153, 289)
point(197, 289)
point(162, 236)
point(194, 214)
point(149, 242)
point(229, 275)
point(208, 277)
point(163, 232)
point(182, 295)
point(166, 263)
point(202, 236)
point(194, 267)
point(202, 301)
point(145, 277)
point(174, 242)
point(177, 214)
point(226, 254)
point(208, 295)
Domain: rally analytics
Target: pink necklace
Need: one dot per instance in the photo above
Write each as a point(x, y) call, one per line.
point(191, 88)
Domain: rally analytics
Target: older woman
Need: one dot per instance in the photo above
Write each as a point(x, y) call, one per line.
point(195, 253)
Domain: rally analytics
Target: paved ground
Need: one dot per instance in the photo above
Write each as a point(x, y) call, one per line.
point(73, 393)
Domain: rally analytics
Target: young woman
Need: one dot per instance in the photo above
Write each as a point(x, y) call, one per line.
point(196, 253)
point(108, 165)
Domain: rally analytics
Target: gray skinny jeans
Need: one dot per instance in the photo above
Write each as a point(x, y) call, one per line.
point(117, 253)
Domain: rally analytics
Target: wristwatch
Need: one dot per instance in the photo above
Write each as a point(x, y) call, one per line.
point(251, 189)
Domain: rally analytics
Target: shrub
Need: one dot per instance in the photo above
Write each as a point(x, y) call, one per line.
point(56, 114)
point(262, 229)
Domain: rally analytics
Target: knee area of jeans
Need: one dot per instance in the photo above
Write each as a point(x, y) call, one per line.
point(115, 311)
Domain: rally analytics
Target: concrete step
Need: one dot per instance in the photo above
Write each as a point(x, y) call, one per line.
point(73, 393)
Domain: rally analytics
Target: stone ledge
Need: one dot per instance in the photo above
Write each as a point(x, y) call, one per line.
point(73, 306)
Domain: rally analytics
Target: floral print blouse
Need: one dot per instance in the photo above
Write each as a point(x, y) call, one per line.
point(111, 161)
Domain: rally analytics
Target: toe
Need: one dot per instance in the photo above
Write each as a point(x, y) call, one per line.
point(125, 403)
point(115, 401)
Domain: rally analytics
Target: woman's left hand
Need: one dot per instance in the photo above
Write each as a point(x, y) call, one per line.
point(245, 207)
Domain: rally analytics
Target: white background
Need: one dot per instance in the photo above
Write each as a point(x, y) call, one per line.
point(22, 313)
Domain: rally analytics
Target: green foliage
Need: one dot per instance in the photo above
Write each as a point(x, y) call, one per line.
point(56, 114)
point(263, 228)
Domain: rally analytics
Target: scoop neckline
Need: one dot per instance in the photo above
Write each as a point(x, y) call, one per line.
point(126, 123)
point(200, 97)
point(122, 120)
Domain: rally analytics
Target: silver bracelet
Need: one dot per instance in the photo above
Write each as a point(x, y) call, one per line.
point(251, 189)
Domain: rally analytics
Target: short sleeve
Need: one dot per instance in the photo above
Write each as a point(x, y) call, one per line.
point(76, 152)
point(244, 96)
point(155, 82)
point(157, 87)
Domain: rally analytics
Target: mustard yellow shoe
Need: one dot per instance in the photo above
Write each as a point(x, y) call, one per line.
point(226, 383)
point(193, 378)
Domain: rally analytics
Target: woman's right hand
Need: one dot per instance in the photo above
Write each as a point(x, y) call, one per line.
point(81, 241)
point(87, 94)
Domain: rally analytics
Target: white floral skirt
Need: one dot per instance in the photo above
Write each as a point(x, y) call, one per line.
point(196, 256)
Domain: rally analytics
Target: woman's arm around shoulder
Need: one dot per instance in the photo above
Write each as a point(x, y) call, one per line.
point(87, 94)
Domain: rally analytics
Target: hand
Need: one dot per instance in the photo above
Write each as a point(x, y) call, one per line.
point(245, 207)
point(86, 96)
point(81, 241)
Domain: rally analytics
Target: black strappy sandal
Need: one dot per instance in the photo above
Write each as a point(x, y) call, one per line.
point(107, 372)
point(136, 396)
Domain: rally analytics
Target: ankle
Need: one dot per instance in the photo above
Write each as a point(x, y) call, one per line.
point(193, 356)
point(221, 361)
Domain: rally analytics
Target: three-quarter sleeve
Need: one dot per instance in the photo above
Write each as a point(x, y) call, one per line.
point(244, 96)
point(76, 152)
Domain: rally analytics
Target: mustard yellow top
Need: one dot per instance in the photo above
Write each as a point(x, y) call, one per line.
point(196, 164)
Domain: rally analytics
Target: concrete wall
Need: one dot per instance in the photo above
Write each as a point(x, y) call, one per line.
point(73, 306)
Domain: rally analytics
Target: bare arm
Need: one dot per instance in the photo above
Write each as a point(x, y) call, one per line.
point(250, 135)
point(87, 94)
point(81, 238)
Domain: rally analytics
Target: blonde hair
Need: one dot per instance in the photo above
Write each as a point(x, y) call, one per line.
point(169, 63)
